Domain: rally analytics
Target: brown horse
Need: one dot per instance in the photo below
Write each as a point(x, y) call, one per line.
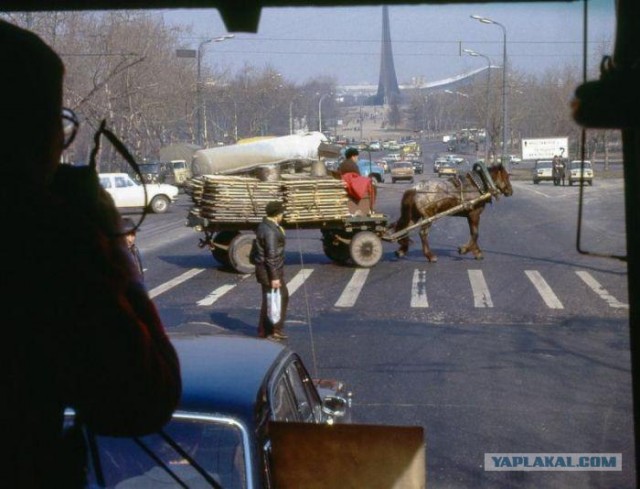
point(432, 197)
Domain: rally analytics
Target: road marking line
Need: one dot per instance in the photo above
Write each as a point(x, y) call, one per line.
point(544, 290)
point(352, 290)
point(160, 289)
point(215, 295)
point(419, 289)
point(481, 295)
point(588, 279)
point(300, 277)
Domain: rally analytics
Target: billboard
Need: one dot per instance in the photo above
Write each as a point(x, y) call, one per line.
point(547, 148)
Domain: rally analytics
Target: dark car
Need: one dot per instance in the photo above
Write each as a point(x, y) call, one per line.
point(417, 166)
point(233, 386)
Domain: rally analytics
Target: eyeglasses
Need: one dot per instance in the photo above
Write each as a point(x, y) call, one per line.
point(70, 124)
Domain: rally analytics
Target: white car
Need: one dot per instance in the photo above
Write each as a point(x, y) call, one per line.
point(573, 173)
point(128, 193)
point(543, 171)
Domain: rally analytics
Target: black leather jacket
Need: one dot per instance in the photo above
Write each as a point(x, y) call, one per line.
point(268, 252)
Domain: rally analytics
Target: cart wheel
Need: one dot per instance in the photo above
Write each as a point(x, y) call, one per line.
point(335, 251)
point(365, 249)
point(223, 238)
point(239, 251)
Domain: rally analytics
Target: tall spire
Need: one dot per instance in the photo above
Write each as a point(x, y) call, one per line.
point(388, 83)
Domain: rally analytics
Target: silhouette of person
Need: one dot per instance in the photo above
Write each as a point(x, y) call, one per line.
point(130, 231)
point(78, 328)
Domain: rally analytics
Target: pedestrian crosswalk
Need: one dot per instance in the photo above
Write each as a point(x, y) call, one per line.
point(533, 286)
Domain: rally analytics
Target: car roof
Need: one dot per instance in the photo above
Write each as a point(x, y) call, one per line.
point(224, 373)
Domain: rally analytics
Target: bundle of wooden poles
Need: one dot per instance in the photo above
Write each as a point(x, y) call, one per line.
point(243, 199)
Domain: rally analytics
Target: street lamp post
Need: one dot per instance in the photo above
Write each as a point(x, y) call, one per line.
point(199, 102)
point(291, 117)
point(471, 52)
point(322, 97)
point(486, 20)
point(193, 53)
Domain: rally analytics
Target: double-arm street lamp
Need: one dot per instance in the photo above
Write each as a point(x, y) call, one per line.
point(192, 53)
point(486, 20)
point(471, 52)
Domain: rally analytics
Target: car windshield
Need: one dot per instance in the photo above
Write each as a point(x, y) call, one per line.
point(150, 168)
point(576, 165)
point(544, 164)
point(213, 445)
point(402, 165)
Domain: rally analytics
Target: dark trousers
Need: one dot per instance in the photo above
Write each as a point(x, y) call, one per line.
point(265, 326)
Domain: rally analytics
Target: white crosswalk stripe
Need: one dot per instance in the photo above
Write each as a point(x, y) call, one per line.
point(354, 287)
point(216, 294)
point(588, 279)
point(349, 296)
point(481, 295)
point(160, 289)
point(541, 285)
point(294, 284)
point(419, 289)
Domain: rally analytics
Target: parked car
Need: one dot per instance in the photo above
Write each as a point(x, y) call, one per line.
point(371, 169)
point(542, 171)
point(402, 170)
point(514, 159)
point(128, 193)
point(394, 157)
point(574, 175)
point(233, 387)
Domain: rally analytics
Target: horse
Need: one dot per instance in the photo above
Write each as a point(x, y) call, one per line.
point(431, 197)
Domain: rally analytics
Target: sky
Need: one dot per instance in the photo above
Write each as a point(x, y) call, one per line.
point(344, 43)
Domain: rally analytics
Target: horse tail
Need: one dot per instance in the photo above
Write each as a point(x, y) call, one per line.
point(407, 208)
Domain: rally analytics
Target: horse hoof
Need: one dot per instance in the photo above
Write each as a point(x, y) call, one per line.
point(432, 259)
point(479, 257)
point(399, 254)
point(462, 250)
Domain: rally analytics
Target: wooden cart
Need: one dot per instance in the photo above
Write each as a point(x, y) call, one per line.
point(229, 209)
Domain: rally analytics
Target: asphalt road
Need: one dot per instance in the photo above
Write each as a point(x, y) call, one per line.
point(524, 351)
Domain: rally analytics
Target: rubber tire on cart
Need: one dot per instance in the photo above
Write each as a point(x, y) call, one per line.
point(365, 249)
point(239, 251)
point(337, 252)
point(223, 238)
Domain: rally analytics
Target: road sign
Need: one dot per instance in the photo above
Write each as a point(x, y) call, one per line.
point(539, 148)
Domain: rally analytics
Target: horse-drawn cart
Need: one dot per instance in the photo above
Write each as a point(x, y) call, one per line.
point(226, 208)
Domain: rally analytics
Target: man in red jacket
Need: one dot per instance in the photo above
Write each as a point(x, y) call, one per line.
point(78, 328)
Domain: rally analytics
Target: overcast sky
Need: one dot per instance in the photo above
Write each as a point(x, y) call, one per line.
point(304, 43)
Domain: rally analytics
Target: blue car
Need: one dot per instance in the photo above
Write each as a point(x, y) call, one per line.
point(233, 386)
point(371, 169)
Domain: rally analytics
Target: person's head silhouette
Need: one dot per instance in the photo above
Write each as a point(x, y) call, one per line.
point(31, 134)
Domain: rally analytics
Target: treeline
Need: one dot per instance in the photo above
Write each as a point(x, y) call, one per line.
point(122, 66)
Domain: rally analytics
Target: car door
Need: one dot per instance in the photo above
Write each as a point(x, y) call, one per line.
point(127, 192)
